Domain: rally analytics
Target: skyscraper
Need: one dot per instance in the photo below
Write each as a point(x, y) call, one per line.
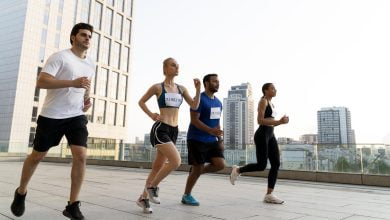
point(334, 126)
point(31, 32)
point(238, 117)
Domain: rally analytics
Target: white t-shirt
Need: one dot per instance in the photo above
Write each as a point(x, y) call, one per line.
point(66, 102)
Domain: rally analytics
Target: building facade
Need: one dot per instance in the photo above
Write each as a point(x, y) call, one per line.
point(238, 117)
point(38, 29)
point(334, 126)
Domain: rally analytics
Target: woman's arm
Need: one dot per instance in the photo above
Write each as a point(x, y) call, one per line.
point(267, 121)
point(142, 102)
point(192, 102)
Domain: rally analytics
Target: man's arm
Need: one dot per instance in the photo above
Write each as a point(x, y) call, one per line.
point(47, 81)
point(202, 126)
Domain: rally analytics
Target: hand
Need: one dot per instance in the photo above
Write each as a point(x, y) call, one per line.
point(216, 132)
point(220, 144)
point(197, 84)
point(284, 120)
point(155, 117)
point(82, 82)
point(87, 104)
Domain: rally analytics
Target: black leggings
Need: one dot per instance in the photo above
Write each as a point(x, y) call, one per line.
point(266, 148)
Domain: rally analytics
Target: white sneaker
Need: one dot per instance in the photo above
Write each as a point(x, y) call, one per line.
point(153, 194)
point(270, 198)
point(234, 174)
point(144, 203)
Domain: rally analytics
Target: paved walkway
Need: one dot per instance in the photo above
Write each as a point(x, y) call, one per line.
point(110, 193)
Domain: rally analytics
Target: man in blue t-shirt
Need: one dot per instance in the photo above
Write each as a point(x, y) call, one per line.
point(204, 140)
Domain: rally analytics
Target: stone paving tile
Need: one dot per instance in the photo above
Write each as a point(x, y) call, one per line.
point(111, 192)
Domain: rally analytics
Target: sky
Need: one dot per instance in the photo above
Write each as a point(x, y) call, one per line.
point(317, 54)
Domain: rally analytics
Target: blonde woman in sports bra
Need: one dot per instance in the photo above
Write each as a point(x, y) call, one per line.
point(164, 131)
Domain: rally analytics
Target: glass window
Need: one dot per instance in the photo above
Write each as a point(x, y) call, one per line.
point(61, 6)
point(89, 113)
point(116, 53)
point(85, 6)
point(111, 113)
point(119, 5)
point(100, 116)
point(121, 112)
point(57, 41)
point(59, 23)
point(110, 2)
point(129, 8)
point(46, 17)
point(113, 85)
point(127, 31)
point(105, 52)
point(42, 54)
point(108, 21)
point(101, 80)
point(97, 18)
point(93, 82)
point(43, 36)
point(125, 59)
point(95, 47)
point(122, 87)
point(118, 26)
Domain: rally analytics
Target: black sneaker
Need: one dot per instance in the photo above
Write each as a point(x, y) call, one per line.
point(17, 206)
point(73, 212)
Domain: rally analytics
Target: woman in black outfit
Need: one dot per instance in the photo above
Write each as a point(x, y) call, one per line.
point(266, 144)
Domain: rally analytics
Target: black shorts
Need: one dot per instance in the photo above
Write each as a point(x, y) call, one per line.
point(201, 152)
point(162, 133)
point(50, 132)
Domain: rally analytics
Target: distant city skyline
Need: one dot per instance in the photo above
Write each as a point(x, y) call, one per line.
point(317, 53)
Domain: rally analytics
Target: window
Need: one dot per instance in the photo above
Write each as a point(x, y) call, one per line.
point(95, 46)
point(127, 31)
point(57, 41)
point(34, 114)
point(42, 54)
point(121, 113)
point(118, 26)
point(100, 112)
point(110, 2)
point(122, 87)
point(111, 113)
point(97, 18)
point(125, 59)
point(129, 8)
point(93, 82)
point(102, 82)
point(113, 85)
point(43, 36)
point(89, 113)
point(61, 6)
point(85, 8)
point(116, 53)
point(119, 5)
point(46, 17)
point(105, 53)
point(108, 21)
point(59, 23)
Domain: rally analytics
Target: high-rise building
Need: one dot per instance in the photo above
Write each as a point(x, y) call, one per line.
point(334, 126)
point(238, 117)
point(31, 32)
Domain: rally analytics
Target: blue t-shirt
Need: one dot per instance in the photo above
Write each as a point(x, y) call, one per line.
point(209, 113)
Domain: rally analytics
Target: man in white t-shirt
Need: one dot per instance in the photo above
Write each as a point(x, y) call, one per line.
point(67, 77)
